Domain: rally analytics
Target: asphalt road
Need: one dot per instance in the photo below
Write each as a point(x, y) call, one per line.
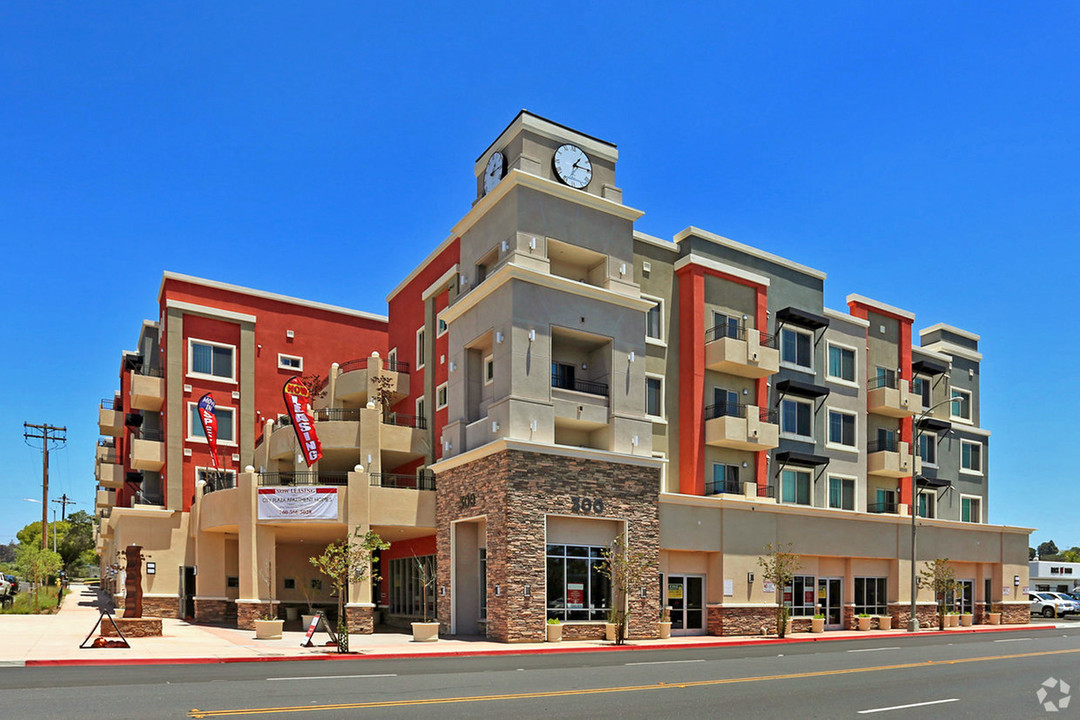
point(962, 676)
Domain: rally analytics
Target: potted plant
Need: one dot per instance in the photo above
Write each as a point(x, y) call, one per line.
point(966, 619)
point(993, 618)
point(817, 623)
point(425, 631)
point(778, 566)
point(665, 623)
point(884, 622)
point(268, 627)
point(952, 619)
point(863, 620)
point(626, 567)
point(554, 630)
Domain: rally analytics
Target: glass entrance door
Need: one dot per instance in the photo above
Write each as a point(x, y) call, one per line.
point(686, 598)
point(830, 600)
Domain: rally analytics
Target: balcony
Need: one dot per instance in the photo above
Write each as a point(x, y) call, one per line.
point(737, 426)
point(421, 481)
point(105, 498)
point(303, 477)
point(354, 381)
point(741, 351)
point(147, 390)
point(891, 397)
point(147, 451)
point(883, 508)
point(110, 418)
point(579, 405)
point(109, 469)
point(890, 459)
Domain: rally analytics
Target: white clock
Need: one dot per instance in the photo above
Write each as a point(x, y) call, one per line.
point(493, 173)
point(573, 166)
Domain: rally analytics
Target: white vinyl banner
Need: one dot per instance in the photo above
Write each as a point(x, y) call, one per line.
point(298, 503)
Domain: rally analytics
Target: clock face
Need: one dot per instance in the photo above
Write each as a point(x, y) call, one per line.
point(493, 173)
point(573, 166)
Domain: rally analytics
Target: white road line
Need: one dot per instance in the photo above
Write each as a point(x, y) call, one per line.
point(874, 649)
point(905, 707)
point(665, 662)
point(332, 677)
point(1012, 639)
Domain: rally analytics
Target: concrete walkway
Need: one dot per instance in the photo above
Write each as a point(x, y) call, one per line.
point(55, 639)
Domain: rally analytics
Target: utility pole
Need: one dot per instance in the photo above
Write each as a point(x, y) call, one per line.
point(46, 434)
point(63, 502)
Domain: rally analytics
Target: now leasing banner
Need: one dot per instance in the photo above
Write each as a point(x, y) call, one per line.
point(298, 402)
point(209, 424)
point(298, 503)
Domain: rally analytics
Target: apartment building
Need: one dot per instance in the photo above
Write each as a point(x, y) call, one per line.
point(554, 378)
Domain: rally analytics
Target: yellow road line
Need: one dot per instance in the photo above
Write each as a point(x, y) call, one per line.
point(196, 713)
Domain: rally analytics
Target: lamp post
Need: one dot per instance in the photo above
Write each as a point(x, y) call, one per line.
point(913, 623)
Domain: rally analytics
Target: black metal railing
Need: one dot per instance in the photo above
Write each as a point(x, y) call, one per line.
point(152, 435)
point(337, 414)
point(110, 456)
point(726, 486)
point(582, 386)
point(111, 404)
point(302, 477)
point(141, 498)
point(888, 508)
point(740, 410)
point(883, 380)
point(418, 481)
point(739, 332)
point(353, 415)
point(410, 421)
point(889, 445)
point(218, 481)
point(390, 365)
point(149, 371)
point(768, 491)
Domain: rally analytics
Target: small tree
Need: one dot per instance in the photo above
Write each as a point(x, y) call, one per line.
point(627, 569)
point(349, 561)
point(425, 575)
point(940, 577)
point(382, 392)
point(778, 566)
point(266, 572)
point(37, 565)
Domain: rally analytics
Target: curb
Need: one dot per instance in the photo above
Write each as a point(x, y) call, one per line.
point(98, 662)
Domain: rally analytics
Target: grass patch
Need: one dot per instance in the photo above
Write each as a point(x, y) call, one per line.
point(24, 603)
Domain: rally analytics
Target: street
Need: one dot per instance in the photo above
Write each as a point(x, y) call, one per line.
point(976, 676)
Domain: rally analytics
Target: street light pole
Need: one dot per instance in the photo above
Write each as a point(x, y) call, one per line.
point(913, 623)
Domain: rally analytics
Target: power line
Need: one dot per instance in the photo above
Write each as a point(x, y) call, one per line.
point(64, 502)
point(46, 434)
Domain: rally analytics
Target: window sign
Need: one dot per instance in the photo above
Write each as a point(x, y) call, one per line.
point(575, 596)
point(675, 591)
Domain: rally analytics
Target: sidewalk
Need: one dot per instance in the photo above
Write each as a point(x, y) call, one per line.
point(54, 640)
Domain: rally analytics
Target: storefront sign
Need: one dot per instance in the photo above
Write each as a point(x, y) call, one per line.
point(298, 402)
point(1006, 590)
point(467, 501)
point(768, 587)
point(674, 591)
point(729, 587)
point(298, 503)
point(575, 596)
point(586, 505)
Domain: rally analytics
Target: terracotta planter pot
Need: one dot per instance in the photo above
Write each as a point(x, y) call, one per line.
point(664, 630)
point(994, 618)
point(951, 620)
point(425, 632)
point(966, 619)
point(884, 622)
point(817, 625)
point(554, 633)
point(864, 623)
point(268, 629)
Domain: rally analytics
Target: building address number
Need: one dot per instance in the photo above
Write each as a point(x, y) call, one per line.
point(586, 504)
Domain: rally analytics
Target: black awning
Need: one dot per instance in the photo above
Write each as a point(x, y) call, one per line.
point(802, 389)
point(790, 457)
point(802, 318)
point(929, 367)
point(934, 425)
point(929, 482)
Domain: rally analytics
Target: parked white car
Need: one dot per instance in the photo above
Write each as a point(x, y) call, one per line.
point(1047, 605)
point(1073, 606)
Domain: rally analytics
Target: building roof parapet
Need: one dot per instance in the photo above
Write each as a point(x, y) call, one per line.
point(693, 231)
point(720, 267)
point(949, 329)
point(845, 317)
point(553, 131)
point(952, 349)
point(658, 242)
point(880, 306)
point(501, 444)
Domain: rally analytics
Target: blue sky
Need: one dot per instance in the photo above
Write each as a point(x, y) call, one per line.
point(922, 154)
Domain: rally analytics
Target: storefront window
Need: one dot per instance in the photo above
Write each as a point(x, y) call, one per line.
point(575, 588)
point(870, 597)
point(406, 590)
point(800, 596)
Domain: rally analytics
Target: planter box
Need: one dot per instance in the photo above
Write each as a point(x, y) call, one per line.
point(664, 630)
point(268, 629)
point(425, 632)
point(817, 625)
point(609, 631)
point(884, 622)
point(994, 618)
point(863, 623)
point(554, 633)
point(951, 620)
point(965, 619)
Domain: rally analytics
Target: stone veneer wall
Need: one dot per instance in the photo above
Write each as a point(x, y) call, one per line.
point(360, 620)
point(901, 614)
point(583, 631)
point(213, 611)
point(161, 607)
point(515, 490)
point(1013, 613)
point(248, 612)
point(132, 627)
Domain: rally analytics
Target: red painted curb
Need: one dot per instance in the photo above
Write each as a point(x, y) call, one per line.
point(73, 662)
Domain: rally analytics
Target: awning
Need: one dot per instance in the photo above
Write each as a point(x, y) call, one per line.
point(935, 483)
point(802, 389)
point(802, 318)
point(934, 425)
point(790, 457)
point(929, 367)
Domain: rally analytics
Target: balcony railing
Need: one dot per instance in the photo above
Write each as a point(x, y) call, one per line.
point(768, 491)
point(421, 481)
point(353, 415)
point(882, 446)
point(582, 386)
point(722, 487)
point(151, 435)
point(111, 404)
point(739, 410)
point(219, 481)
point(302, 477)
point(110, 443)
point(738, 333)
point(362, 363)
point(410, 421)
point(887, 508)
point(110, 456)
point(141, 498)
point(886, 380)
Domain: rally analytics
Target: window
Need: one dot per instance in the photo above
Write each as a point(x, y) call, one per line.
point(886, 502)
point(420, 407)
point(562, 376)
point(928, 448)
point(575, 588)
point(795, 487)
point(801, 595)
point(654, 320)
point(971, 456)
point(489, 369)
point(795, 348)
point(290, 362)
point(226, 425)
point(841, 493)
point(726, 326)
point(232, 581)
point(926, 505)
point(407, 593)
point(795, 418)
point(960, 407)
point(921, 387)
point(841, 363)
point(440, 327)
point(725, 404)
point(870, 596)
point(440, 397)
point(391, 360)
point(654, 396)
point(886, 441)
point(211, 360)
point(420, 348)
point(970, 509)
point(883, 378)
point(725, 479)
point(841, 428)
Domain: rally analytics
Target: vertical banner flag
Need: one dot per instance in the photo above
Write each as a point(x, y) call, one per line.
point(298, 401)
point(209, 424)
